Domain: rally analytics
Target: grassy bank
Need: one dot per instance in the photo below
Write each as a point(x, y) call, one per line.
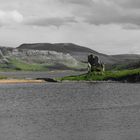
point(108, 75)
point(18, 65)
point(2, 77)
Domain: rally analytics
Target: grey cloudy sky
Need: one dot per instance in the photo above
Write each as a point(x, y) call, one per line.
point(108, 26)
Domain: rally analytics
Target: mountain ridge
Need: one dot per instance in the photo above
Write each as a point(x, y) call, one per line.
point(59, 47)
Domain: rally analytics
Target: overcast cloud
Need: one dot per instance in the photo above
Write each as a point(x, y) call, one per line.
point(9, 17)
point(103, 25)
point(54, 21)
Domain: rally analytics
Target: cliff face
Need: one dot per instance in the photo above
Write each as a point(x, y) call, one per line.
point(44, 57)
point(41, 57)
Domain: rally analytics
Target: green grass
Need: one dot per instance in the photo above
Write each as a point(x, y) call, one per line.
point(108, 75)
point(18, 65)
point(2, 77)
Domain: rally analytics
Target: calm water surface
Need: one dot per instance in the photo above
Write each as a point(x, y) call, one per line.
point(70, 111)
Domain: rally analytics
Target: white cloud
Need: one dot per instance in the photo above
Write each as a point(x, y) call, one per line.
point(10, 17)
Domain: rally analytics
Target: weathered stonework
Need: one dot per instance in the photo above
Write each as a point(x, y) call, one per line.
point(94, 65)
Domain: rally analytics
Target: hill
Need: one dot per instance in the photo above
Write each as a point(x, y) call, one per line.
point(80, 53)
point(46, 56)
point(35, 59)
point(59, 47)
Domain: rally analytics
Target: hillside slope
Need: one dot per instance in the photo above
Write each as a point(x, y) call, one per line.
point(30, 59)
point(62, 56)
point(59, 47)
point(80, 53)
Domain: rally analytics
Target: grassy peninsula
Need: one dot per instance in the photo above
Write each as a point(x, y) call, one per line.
point(122, 75)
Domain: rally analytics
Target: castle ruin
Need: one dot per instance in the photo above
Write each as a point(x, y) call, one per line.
point(94, 64)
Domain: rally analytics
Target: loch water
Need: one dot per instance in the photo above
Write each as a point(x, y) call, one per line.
point(70, 111)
